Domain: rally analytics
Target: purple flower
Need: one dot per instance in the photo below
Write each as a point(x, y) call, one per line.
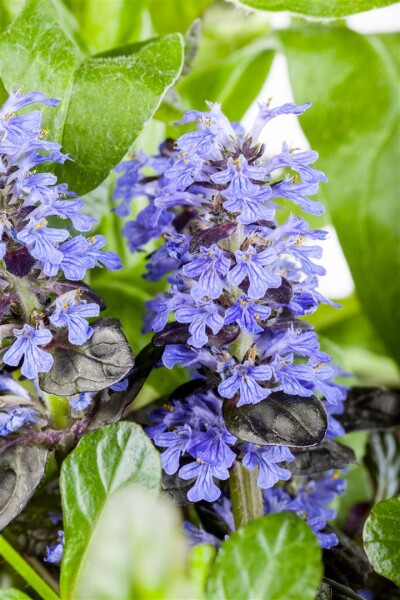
point(97, 257)
point(71, 312)
point(244, 380)
point(197, 535)
point(55, 552)
point(200, 316)
point(251, 207)
point(297, 193)
point(214, 130)
point(209, 268)
point(74, 262)
point(13, 420)
point(292, 377)
point(298, 161)
point(212, 445)
point(276, 500)
point(266, 457)
point(326, 540)
point(80, 402)
point(251, 264)
point(176, 442)
point(204, 473)
point(183, 173)
point(41, 240)
point(313, 497)
point(266, 114)
point(239, 175)
point(246, 313)
point(26, 346)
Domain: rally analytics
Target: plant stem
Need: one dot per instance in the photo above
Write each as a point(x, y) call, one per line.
point(25, 570)
point(246, 496)
point(27, 299)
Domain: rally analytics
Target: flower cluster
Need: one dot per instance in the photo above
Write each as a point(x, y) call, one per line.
point(40, 264)
point(239, 282)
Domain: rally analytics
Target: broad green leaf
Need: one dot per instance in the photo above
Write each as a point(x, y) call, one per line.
point(231, 65)
point(138, 551)
point(105, 100)
point(270, 558)
point(103, 462)
point(381, 539)
point(175, 15)
point(13, 594)
point(356, 134)
point(105, 25)
point(8, 11)
point(328, 9)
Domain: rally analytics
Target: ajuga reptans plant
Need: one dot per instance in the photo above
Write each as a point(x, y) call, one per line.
point(240, 279)
point(45, 252)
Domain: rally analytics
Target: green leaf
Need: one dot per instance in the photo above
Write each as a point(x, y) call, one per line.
point(271, 558)
point(231, 65)
point(175, 15)
point(105, 100)
point(13, 594)
point(381, 540)
point(103, 462)
point(328, 9)
point(105, 25)
point(138, 551)
point(356, 137)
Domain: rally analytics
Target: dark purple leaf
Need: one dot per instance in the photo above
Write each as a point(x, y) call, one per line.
point(371, 408)
point(18, 261)
point(327, 455)
point(280, 419)
point(21, 471)
point(103, 360)
point(208, 237)
point(347, 562)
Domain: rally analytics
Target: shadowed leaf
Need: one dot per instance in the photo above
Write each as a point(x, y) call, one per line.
point(21, 471)
point(280, 419)
point(98, 363)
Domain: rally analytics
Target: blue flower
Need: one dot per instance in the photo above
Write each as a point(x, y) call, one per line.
point(212, 445)
point(298, 161)
point(74, 262)
point(197, 535)
point(199, 316)
point(8, 384)
point(71, 312)
point(183, 173)
point(266, 458)
point(55, 552)
point(292, 377)
point(276, 500)
point(209, 268)
point(246, 313)
point(251, 264)
point(13, 420)
point(39, 188)
point(176, 442)
point(80, 402)
point(184, 356)
point(326, 540)
point(244, 380)
point(296, 192)
point(97, 257)
point(251, 207)
point(214, 130)
point(266, 114)
point(26, 346)
point(204, 473)
point(313, 497)
point(239, 175)
point(69, 209)
point(41, 240)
